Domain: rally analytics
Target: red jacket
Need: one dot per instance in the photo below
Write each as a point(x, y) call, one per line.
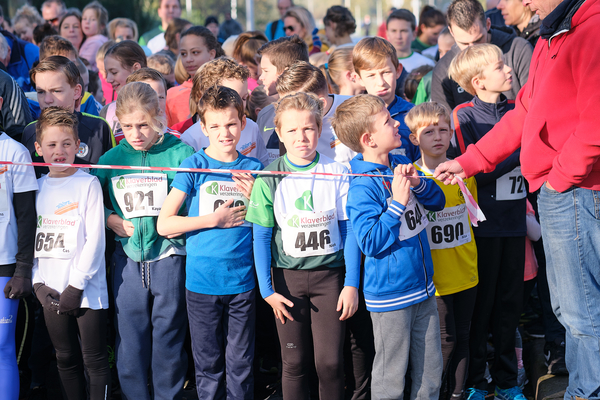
point(556, 120)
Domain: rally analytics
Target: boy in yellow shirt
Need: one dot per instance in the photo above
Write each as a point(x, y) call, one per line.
point(451, 241)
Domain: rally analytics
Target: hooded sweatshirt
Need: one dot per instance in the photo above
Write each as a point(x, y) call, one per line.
point(556, 113)
point(517, 55)
point(145, 244)
point(398, 266)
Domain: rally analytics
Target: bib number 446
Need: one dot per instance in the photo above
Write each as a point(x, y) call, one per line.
point(315, 240)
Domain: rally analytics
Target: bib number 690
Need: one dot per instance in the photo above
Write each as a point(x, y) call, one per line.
point(315, 239)
point(449, 233)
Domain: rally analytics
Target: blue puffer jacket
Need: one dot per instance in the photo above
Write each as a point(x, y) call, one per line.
point(398, 273)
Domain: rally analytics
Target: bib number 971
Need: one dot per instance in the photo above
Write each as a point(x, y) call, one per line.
point(138, 197)
point(315, 240)
point(448, 233)
point(47, 242)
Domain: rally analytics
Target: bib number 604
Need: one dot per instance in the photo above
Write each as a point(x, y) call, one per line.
point(315, 240)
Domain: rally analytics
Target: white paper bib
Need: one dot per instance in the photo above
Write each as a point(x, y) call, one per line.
point(4, 201)
point(306, 234)
point(448, 228)
point(414, 218)
point(214, 193)
point(56, 236)
point(140, 195)
point(511, 186)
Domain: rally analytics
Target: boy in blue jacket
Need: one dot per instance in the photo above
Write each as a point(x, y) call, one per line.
point(389, 219)
point(377, 66)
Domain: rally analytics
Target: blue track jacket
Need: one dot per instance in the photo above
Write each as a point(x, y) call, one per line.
point(397, 273)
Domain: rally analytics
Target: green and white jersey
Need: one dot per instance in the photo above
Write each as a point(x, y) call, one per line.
point(304, 211)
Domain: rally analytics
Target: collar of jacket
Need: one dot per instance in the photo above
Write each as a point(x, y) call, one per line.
point(559, 20)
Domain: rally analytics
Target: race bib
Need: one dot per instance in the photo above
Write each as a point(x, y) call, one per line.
point(273, 154)
point(56, 236)
point(511, 186)
point(140, 195)
point(414, 218)
point(4, 200)
point(306, 234)
point(449, 227)
point(214, 193)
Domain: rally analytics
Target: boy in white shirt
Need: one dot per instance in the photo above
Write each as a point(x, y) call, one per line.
point(69, 271)
point(400, 30)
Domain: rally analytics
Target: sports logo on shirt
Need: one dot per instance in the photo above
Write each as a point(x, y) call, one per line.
point(83, 150)
point(305, 203)
point(39, 224)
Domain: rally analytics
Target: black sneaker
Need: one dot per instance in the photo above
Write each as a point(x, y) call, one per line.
point(554, 353)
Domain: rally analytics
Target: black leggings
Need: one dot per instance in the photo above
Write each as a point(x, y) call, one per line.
point(65, 332)
point(455, 311)
point(316, 323)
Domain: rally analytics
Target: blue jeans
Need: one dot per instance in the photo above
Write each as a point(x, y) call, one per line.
point(410, 333)
point(571, 230)
point(150, 319)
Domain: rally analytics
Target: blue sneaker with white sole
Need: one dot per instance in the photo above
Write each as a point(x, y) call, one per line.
point(513, 393)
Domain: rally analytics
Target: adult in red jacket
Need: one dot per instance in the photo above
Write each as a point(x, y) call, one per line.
point(556, 123)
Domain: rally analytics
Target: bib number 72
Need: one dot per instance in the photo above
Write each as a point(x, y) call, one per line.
point(315, 240)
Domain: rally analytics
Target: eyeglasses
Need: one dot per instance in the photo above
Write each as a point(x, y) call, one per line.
point(52, 21)
point(288, 28)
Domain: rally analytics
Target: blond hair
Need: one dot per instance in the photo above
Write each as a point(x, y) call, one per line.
point(56, 116)
point(355, 117)
point(162, 63)
point(213, 73)
point(471, 62)
point(304, 18)
point(299, 102)
point(425, 114)
point(339, 62)
point(181, 74)
point(139, 96)
point(302, 77)
point(373, 52)
point(125, 23)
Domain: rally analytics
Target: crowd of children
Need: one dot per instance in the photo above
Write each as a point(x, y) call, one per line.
point(379, 285)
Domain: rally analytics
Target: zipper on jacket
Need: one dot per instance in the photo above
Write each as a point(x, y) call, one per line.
point(144, 154)
point(424, 266)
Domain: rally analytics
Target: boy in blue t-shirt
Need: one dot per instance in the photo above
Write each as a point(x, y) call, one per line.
point(388, 218)
point(219, 273)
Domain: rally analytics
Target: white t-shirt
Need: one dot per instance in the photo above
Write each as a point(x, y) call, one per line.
point(157, 43)
point(329, 145)
point(13, 179)
point(430, 52)
point(415, 60)
point(251, 143)
point(70, 237)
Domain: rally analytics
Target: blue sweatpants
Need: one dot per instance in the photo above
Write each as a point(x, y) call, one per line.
point(150, 320)
point(222, 329)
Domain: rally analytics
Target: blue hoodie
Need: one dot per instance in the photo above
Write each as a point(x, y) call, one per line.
point(398, 110)
point(398, 273)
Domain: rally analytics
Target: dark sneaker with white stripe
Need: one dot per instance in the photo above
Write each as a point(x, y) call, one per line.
point(554, 353)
